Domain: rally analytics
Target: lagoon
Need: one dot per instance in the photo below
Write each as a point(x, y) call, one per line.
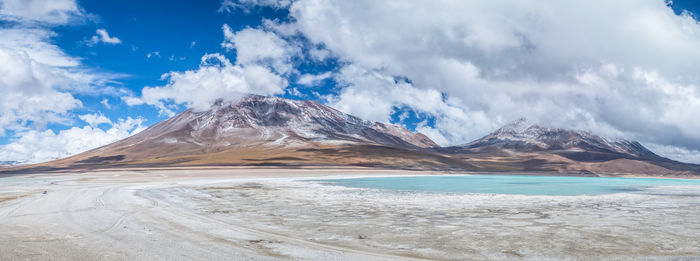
point(518, 185)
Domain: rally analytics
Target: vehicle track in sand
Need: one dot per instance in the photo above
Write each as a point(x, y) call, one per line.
point(276, 237)
point(91, 219)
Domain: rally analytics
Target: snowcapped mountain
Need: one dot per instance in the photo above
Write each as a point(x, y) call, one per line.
point(255, 130)
point(274, 121)
point(524, 136)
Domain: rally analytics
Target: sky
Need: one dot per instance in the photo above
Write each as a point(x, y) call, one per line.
point(75, 75)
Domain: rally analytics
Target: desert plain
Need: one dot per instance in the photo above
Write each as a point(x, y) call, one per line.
point(286, 214)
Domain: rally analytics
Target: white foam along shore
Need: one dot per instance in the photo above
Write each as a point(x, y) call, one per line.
point(275, 214)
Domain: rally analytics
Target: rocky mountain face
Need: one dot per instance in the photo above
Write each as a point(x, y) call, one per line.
point(524, 136)
point(274, 121)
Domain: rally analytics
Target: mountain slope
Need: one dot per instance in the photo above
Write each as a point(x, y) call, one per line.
point(250, 131)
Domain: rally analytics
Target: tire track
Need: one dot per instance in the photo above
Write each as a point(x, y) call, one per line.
point(341, 251)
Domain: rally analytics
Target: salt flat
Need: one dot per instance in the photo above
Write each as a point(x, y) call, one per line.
point(274, 214)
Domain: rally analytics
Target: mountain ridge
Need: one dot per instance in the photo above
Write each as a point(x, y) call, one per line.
point(527, 136)
point(279, 132)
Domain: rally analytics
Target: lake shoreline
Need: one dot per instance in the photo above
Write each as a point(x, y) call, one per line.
point(350, 169)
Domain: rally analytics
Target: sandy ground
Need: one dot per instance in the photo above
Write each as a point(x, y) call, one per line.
point(273, 214)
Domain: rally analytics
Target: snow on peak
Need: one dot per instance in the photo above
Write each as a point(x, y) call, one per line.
point(517, 126)
point(527, 136)
point(265, 120)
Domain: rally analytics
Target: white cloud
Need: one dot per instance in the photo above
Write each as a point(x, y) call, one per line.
point(677, 153)
point(216, 78)
point(36, 45)
point(105, 103)
point(38, 146)
point(228, 38)
point(294, 92)
point(173, 58)
point(152, 54)
point(43, 11)
point(620, 68)
point(37, 80)
point(245, 5)
point(374, 96)
point(103, 37)
point(94, 120)
point(261, 58)
point(319, 54)
point(256, 46)
point(313, 79)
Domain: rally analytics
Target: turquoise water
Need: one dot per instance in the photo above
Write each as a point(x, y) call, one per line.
point(520, 185)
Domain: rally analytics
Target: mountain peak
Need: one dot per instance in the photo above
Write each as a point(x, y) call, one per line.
point(525, 136)
point(264, 122)
point(517, 126)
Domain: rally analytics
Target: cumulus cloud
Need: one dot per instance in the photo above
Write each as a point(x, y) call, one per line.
point(35, 146)
point(39, 82)
point(37, 79)
point(216, 78)
point(623, 68)
point(262, 58)
point(103, 37)
point(375, 96)
point(94, 120)
point(42, 11)
point(256, 46)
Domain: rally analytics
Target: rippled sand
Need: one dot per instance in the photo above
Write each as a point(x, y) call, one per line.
point(279, 214)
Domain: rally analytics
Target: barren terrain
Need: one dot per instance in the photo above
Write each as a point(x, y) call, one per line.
point(281, 214)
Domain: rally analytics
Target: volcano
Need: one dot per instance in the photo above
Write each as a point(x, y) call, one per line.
point(260, 130)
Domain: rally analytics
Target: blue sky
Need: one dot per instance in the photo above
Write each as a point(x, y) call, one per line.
point(176, 38)
point(180, 32)
point(455, 78)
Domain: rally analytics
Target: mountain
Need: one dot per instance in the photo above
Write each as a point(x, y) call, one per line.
point(259, 130)
point(525, 136)
point(271, 122)
point(527, 146)
point(273, 131)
